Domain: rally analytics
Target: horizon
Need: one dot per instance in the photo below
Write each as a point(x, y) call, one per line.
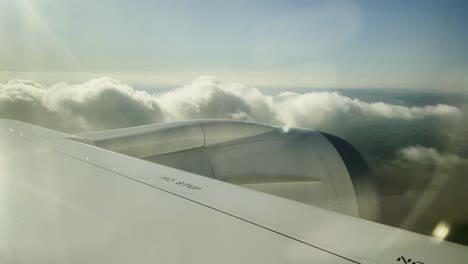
point(320, 44)
point(265, 88)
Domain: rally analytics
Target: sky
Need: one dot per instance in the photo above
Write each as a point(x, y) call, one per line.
point(323, 44)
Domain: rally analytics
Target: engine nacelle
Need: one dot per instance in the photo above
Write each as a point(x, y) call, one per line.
point(299, 164)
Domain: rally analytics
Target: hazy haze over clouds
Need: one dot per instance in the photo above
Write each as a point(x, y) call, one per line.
point(321, 43)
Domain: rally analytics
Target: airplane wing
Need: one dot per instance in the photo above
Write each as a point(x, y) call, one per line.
point(64, 200)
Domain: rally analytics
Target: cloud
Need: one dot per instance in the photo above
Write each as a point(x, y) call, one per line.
point(427, 156)
point(415, 168)
point(105, 103)
point(408, 147)
point(423, 187)
point(95, 105)
point(378, 129)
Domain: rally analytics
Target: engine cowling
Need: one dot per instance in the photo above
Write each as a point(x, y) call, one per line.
point(300, 164)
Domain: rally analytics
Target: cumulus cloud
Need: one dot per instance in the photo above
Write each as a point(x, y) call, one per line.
point(378, 129)
point(95, 105)
point(408, 147)
point(427, 156)
point(106, 103)
point(423, 187)
point(415, 167)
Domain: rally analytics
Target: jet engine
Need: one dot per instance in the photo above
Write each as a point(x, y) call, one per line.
point(304, 165)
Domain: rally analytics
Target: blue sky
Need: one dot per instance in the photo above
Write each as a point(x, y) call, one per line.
point(330, 43)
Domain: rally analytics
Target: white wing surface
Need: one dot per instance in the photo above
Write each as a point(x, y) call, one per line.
point(64, 201)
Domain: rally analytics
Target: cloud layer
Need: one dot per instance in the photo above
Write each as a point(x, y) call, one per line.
point(106, 103)
point(205, 97)
point(423, 187)
point(409, 148)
